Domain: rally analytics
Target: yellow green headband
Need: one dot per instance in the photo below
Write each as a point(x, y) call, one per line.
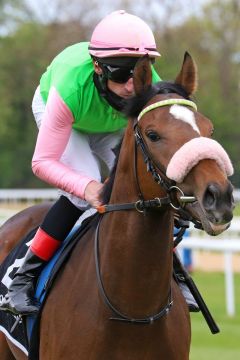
point(165, 103)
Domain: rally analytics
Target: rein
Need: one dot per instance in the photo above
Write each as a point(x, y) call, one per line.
point(119, 316)
point(141, 205)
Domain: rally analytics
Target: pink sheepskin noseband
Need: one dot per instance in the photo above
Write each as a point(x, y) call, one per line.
point(192, 152)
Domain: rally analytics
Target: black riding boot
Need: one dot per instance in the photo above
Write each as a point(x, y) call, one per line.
point(20, 298)
point(180, 279)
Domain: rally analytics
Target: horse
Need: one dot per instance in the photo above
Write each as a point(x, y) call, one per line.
point(19, 225)
point(116, 297)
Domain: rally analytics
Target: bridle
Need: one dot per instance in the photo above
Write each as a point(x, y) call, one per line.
point(142, 205)
point(157, 171)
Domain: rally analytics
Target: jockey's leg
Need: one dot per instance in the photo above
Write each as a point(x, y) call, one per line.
point(192, 305)
point(64, 214)
point(56, 226)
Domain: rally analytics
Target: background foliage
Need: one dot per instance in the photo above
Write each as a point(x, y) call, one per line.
point(32, 33)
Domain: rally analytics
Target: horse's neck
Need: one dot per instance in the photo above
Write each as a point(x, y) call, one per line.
point(136, 249)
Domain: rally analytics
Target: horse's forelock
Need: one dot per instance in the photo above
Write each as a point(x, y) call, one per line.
point(135, 104)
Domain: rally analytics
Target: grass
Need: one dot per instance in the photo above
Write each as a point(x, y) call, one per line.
point(237, 210)
point(226, 344)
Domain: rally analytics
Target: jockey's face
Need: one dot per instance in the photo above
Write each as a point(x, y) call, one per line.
point(123, 89)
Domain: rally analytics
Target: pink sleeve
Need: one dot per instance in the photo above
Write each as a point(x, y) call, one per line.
point(52, 140)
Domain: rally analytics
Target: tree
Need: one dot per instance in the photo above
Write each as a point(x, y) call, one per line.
point(213, 41)
point(20, 64)
point(24, 57)
point(32, 37)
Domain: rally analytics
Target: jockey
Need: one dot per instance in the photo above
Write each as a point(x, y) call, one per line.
point(77, 107)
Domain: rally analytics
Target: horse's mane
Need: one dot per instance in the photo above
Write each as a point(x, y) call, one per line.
point(107, 189)
point(133, 107)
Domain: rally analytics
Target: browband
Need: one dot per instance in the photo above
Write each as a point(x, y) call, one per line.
point(166, 103)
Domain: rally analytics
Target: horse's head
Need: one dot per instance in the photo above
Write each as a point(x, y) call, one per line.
point(178, 142)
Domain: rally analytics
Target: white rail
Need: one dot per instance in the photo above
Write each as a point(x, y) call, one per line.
point(27, 194)
point(228, 243)
point(31, 194)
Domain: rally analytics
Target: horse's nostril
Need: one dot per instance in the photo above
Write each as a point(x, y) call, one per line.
point(218, 203)
point(210, 196)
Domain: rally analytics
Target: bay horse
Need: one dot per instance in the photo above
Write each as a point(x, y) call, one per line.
point(116, 297)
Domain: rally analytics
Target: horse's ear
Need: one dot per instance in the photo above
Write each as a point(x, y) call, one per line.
point(142, 76)
point(188, 76)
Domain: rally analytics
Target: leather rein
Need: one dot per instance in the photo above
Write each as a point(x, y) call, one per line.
point(142, 205)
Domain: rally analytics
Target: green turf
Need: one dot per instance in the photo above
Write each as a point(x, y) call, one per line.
point(226, 344)
point(237, 210)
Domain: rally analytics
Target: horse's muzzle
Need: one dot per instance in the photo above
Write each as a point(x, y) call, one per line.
point(218, 204)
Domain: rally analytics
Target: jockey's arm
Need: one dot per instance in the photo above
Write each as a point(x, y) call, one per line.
point(52, 140)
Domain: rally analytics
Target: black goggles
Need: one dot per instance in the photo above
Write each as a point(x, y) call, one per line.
point(117, 74)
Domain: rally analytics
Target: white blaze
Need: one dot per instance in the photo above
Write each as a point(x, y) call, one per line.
point(184, 114)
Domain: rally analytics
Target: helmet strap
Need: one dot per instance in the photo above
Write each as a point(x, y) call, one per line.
point(102, 78)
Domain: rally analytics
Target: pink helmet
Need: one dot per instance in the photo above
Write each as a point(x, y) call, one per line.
point(122, 34)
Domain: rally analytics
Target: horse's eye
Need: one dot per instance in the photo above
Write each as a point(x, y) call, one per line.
point(153, 136)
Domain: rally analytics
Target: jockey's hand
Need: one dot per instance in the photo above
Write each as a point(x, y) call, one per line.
point(92, 193)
